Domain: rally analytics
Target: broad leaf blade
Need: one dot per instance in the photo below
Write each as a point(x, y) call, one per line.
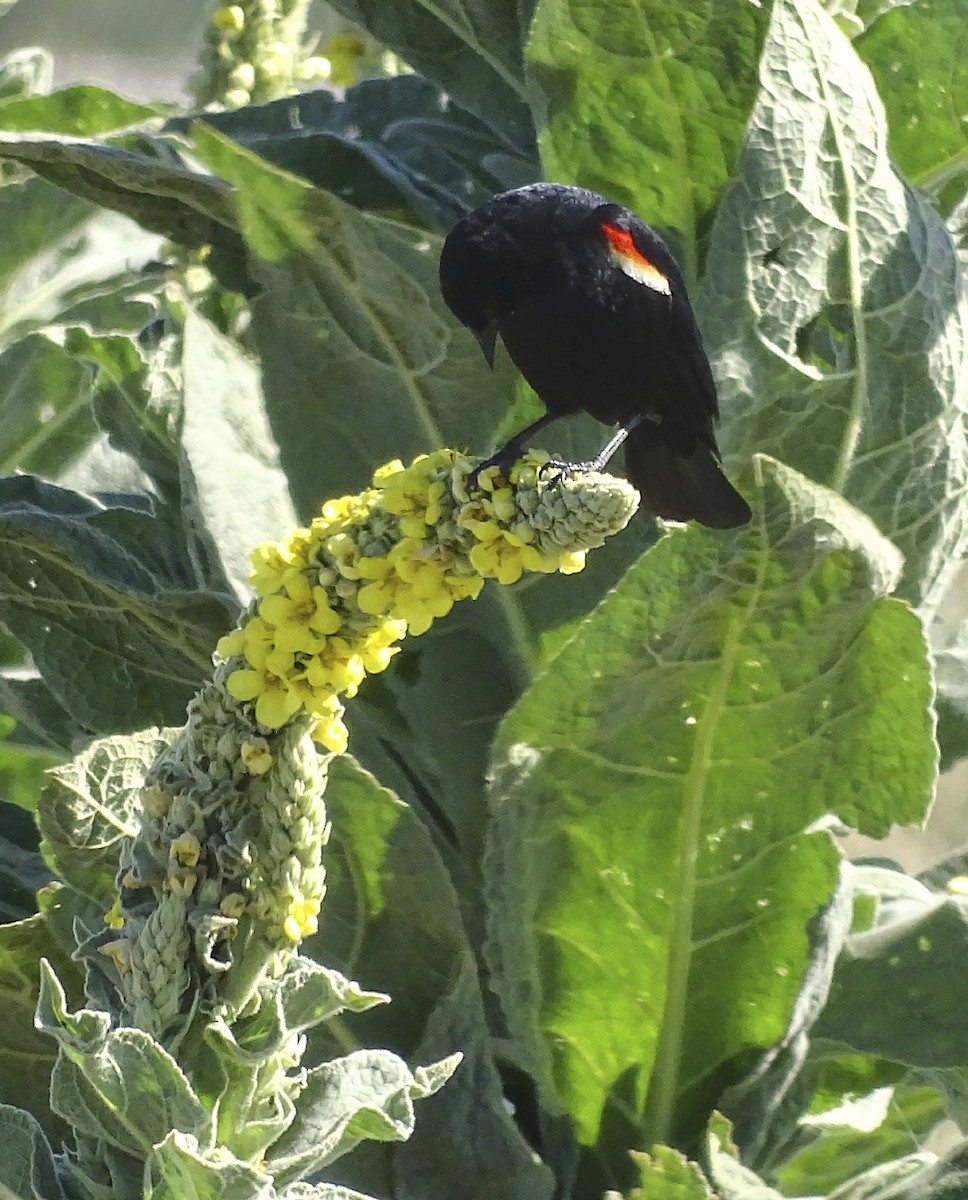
point(833, 305)
point(649, 867)
point(146, 184)
point(392, 920)
point(398, 147)
point(472, 48)
point(646, 102)
point(362, 362)
point(115, 647)
point(27, 1055)
point(926, 101)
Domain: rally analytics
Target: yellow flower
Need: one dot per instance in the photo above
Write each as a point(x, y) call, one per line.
point(114, 917)
point(336, 667)
point(256, 757)
point(412, 495)
point(275, 703)
point(258, 640)
point(377, 647)
point(572, 561)
point(300, 615)
point(231, 644)
point(186, 850)
point(505, 558)
point(302, 918)
point(330, 730)
point(273, 565)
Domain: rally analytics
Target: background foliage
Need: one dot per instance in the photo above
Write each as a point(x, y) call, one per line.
point(585, 834)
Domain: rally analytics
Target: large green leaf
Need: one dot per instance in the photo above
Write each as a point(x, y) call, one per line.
point(833, 307)
point(472, 48)
point(82, 111)
point(394, 146)
point(140, 178)
point(361, 360)
point(116, 648)
point(646, 102)
point(917, 55)
point(651, 866)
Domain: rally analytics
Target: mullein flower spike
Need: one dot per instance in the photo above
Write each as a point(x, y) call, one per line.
point(336, 598)
point(223, 876)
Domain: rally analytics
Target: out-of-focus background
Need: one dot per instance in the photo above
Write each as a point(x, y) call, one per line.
point(142, 48)
point(147, 50)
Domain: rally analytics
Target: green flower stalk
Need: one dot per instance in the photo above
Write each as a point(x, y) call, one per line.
point(197, 993)
point(255, 52)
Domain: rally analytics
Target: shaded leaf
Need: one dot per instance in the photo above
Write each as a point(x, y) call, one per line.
point(397, 146)
point(362, 362)
point(115, 648)
point(472, 48)
point(27, 1168)
point(27, 1055)
point(148, 184)
point(892, 987)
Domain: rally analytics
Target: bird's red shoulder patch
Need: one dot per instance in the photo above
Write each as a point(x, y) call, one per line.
point(632, 261)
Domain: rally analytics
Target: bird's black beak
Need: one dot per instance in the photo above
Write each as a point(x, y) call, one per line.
point(486, 339)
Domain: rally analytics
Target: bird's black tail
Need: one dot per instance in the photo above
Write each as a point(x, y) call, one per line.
point(681, 488)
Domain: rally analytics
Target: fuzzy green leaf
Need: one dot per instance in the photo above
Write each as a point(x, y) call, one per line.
point(150, 187)
point(367, 1094)
point(926, 104)
point(891, 993)
point(646, 101)
point(176, 1169)
point(391, 918)
point(651, 874)
point(82, 111)
point(361, 360)
point(91, 803)
point(833, 307)
point(27, 1170)
point(26, 1055)
point(120, 1084)
point(396, 146)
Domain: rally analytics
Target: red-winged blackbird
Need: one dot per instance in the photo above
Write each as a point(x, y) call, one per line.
point(593, 312)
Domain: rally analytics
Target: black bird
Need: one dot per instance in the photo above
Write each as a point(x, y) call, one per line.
point(593, 311)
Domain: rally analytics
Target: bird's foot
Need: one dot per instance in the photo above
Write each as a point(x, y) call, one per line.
point(564, 470)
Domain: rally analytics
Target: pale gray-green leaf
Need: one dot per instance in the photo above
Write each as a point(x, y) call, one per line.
point(91, 803)
point(367, 1094)
point(27, 1170)
point(239, 489)
point(177, 1169)
point(833, 306)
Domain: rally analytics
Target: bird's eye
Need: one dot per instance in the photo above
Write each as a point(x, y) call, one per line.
point(627, 256)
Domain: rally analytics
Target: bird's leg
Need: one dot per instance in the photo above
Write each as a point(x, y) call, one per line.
point(602, 457)
point(510, 450)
